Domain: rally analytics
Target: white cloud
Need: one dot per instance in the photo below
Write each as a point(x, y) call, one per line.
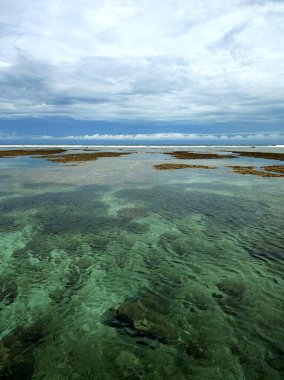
point(197, 60)
point(170, 136)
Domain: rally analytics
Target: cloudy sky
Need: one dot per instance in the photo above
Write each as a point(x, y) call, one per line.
point(184, 70)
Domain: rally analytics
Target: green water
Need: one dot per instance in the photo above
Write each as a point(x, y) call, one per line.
point(112, 270)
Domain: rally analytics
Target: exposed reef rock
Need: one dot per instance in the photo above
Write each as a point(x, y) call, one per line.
point(181, 166)
point(83, 157)
point(275, 168)
point(268, 155)
point(52, 155)
point(193, 155)
point(30, 152)
point(251, 170)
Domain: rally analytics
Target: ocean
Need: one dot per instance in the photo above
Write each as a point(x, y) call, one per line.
point(111, 269)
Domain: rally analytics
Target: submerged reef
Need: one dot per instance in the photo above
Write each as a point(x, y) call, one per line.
point(83, 157)
point(251, 170)
point(138, 318)
point(192, 155)
point(268, 155)
point(8, 291)
point(141, 276)
point(145, 320)
point(17, 352)
point(30, 152)
point(181, 166)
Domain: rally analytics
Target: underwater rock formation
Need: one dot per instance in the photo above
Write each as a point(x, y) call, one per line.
point(146, 320)
point(128, 365)
point(16, 352)
point(132, 212)
point(8, 291)
point(137, 317)
point(234, 293)
point(8, 224)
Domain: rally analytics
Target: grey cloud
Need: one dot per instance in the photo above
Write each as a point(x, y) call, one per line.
point(8, 29)
point(87, 60)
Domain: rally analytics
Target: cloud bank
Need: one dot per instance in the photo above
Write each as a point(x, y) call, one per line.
point(197, 61)
point(186, 137)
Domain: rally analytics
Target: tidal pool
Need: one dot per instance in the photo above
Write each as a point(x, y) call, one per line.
point(113, 270)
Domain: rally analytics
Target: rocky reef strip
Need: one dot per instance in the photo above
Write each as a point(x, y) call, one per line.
point(275, 168)
point(83, 157)
point(251, 170)
point(30, 152)
point(181, 166)
point(192, 155)
point(267, 155)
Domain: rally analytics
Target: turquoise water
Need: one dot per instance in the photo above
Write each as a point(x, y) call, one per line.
point(113, 270)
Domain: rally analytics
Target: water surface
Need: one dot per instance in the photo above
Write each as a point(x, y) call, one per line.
point(113, 270)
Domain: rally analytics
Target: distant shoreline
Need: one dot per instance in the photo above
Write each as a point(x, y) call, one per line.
point(137, 146)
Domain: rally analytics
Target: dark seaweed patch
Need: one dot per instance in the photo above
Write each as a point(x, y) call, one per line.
point(8, 291)
point(16, 351)
point(85, 198)
point(234, 292)
point(175, 202)
point(8, 224)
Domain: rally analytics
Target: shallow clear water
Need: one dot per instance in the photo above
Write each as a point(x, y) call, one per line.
point(112, 270)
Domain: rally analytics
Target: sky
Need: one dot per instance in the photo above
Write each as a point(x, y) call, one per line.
point(184, 71)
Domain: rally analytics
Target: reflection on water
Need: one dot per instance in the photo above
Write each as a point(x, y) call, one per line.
point(111, 270)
